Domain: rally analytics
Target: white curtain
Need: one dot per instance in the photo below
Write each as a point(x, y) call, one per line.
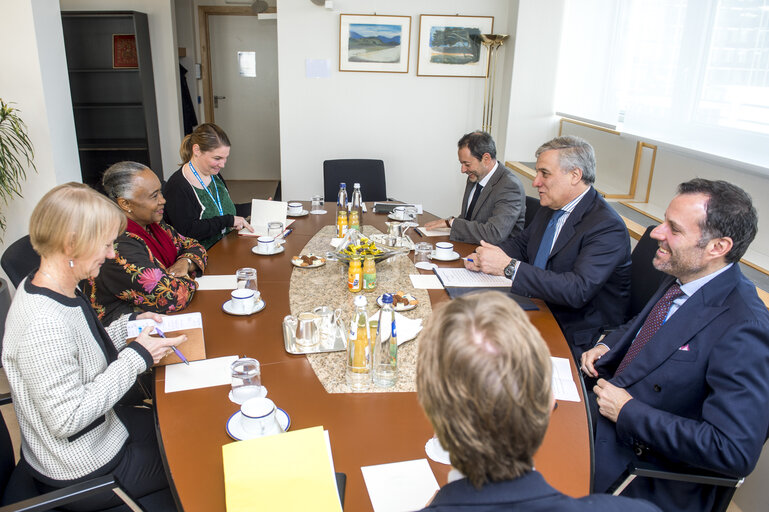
point(690, 73)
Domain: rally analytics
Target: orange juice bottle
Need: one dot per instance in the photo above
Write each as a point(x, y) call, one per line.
point(369, 273)
point(355, 275)
point(341, 223)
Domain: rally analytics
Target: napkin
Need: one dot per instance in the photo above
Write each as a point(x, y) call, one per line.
point(407, 328)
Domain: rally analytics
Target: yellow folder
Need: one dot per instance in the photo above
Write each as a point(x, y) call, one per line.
point(285, 472)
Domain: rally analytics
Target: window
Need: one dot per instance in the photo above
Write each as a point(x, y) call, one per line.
point(690, 73)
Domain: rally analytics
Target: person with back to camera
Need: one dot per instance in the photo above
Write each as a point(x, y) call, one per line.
point(484, 381)
point(199, 204)
point(66, 372)
point(154, 266)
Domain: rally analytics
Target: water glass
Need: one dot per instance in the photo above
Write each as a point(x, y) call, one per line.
point(422, 252)
point(274, 228)
point(317, 204)
point(246, 379)
point(410, 213)
point(246, 278)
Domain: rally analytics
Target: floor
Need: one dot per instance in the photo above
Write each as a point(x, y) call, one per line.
point(242, 191)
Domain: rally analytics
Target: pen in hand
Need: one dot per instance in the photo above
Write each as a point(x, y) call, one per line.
point(176, 350)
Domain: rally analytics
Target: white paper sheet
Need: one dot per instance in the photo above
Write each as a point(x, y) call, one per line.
point(467, 278)
point(225, 282)
point(170, 323)
point(262, 212)
point(434, 232)
point(426, 281)
point(400, 486)
point(199, 374)
point(564, 387)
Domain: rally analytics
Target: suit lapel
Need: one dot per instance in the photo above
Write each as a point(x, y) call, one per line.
point(466, 198)
point(569, 227)
point(486, 192)
point(696, 314)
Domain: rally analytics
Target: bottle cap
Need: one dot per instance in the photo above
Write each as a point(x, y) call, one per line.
point(343, 185)
point(357, 185)
point(387, 298)
point(360, 300)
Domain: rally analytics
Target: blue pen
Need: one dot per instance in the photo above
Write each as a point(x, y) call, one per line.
point(287, 232)
point(176, 350)
point(469, 259)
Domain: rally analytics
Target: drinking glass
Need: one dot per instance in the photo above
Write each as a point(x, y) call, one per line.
point(246, 379)
point(422, 252)
point(410, 213)
point(274, 228)
point(246, 278)
point(317, 204)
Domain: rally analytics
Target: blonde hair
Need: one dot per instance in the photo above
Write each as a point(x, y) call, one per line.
point(73, 217)
point(483, 379)
point(207, 136)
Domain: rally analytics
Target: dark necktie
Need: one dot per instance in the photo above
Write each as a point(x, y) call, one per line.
point(476, 194)
point(547, 240)
point(650, 327)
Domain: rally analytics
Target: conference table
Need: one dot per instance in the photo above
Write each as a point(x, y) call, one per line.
point(364, 428)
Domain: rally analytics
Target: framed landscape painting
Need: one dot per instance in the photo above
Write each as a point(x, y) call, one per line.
point(451, 45)
point(369, 42)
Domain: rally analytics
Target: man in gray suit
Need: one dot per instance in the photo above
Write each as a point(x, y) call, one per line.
point(494, 202)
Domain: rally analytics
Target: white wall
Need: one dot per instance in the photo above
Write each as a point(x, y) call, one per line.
point(165, 66)
point(412, 123)
point(35, 78)
point(531, 119)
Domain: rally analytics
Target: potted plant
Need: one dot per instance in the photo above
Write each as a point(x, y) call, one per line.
point(16, 155)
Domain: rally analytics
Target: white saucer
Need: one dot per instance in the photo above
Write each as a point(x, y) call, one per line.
point(262, 394)
point(227, 307)
point(302, 214)
point(435, 451)
point(425, 265)
point(255, 250)
point(392, 216)
point(454, 257)
point(318, 212)
point(235, 429)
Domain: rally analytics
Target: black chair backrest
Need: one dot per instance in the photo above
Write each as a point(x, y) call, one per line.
point(19, 259)
point(532, 206)
point(644, 278)
point(369, 173)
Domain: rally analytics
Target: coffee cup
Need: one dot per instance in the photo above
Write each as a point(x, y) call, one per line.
point(444, 250)
point(243, 300)
point(266, 244)
point(259, 417)
point(294, 208)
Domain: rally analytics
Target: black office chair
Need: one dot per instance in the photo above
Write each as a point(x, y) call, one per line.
point(369, 173)
point(532, 207)
point(19, 259)
point(725, 486)
point(644, 278)
point(19, 491)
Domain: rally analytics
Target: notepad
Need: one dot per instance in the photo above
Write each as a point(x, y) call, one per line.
point(224, 282)
point(400, 486)
point(564, 387)
point(262, 212)
point(191, 324)
point(433, 232)
point(199, 374)
point(286, 472)
point(462, 277)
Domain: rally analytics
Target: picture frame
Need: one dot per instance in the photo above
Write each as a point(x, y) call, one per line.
point(374, 43)
point(451, 45)
point(124, 55)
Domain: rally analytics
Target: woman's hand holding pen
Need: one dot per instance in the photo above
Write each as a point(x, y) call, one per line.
point(158, 347)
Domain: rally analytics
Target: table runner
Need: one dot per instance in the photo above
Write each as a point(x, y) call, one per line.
point(327, 286)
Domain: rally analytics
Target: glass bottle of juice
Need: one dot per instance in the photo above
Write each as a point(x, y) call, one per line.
point(341, 223)
point(369, 273)
point(358, 373)
point(355, 275)
point(354, 220)
point(386, 347)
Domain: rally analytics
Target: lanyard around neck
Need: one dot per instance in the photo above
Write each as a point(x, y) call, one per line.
point(216, 200)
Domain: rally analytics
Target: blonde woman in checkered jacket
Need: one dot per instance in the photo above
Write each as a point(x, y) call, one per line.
point(66, 372)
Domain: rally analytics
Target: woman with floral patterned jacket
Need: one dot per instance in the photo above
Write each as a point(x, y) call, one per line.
point(154, 266)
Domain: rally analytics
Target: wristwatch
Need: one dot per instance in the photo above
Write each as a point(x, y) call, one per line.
point(448, 221)
point(189, 264)
point(510, 268)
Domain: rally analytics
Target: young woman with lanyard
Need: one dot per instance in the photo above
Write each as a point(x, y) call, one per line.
point(198, 202)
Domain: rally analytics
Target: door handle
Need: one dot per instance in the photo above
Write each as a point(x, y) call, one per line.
point(216, 100)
